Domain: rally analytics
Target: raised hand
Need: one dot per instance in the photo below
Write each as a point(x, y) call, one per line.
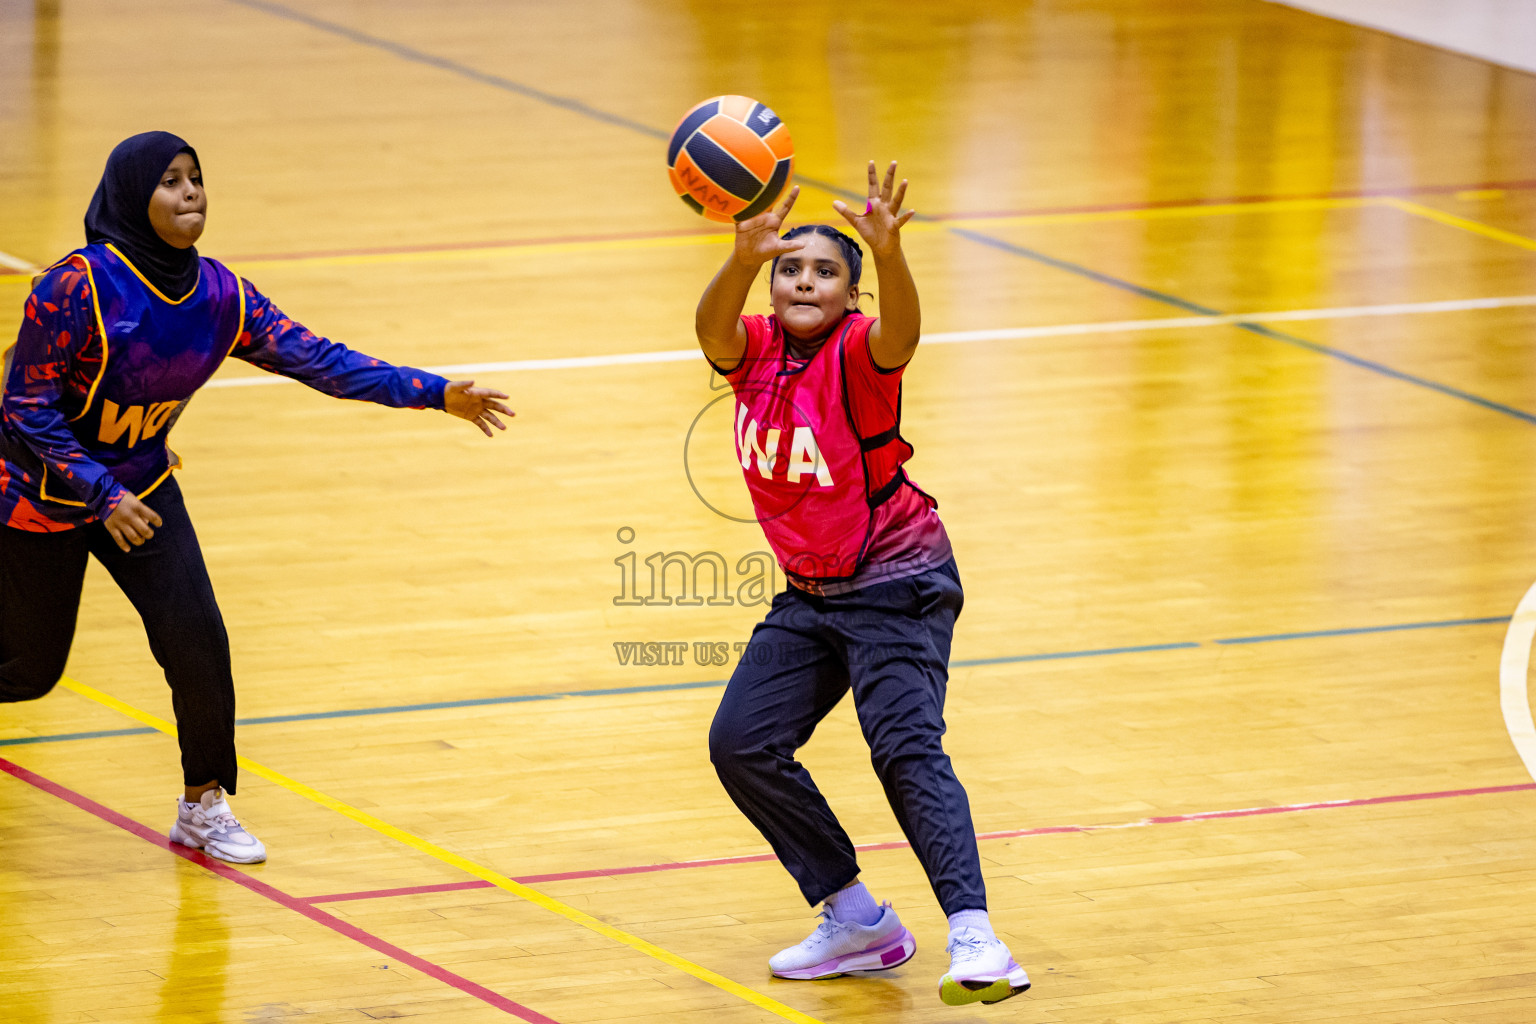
point(478, 405)
point(757, 239)
point(880, 223)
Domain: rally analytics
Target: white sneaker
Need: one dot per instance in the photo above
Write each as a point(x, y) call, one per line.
point(980, 970)
point(840, 947)
point(209, 826)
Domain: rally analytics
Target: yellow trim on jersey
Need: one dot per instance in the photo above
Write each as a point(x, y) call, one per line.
point(239, 320)
point(173, 467)
point(157, 291)
point(42, 491)
point(101, 325)
point(42, 485)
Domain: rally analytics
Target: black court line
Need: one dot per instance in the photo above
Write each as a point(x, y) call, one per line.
point(410, 53)
point(584, 109)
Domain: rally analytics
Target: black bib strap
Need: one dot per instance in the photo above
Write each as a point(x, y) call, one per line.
point(883, 495)
point(880, 440)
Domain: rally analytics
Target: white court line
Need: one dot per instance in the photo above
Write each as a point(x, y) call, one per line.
point(16, 263)
point(1513, 669)
point(964, 337)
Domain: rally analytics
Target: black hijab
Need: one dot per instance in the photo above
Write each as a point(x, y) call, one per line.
point(119, 211)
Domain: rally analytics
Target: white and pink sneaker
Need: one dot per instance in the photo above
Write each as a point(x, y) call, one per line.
point(210, 826)
point(980, 970)
point(846, 947)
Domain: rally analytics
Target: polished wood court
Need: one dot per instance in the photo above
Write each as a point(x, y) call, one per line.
point(1237, 473)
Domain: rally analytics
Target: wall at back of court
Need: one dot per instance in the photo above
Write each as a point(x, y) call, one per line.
point(1501, 31)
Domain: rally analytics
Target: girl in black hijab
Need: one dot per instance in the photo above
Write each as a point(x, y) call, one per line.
point(115, 339)
point(119, 211)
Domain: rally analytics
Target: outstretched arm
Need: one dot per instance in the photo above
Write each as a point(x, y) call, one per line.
point(717, 321)
point(279, 344)
point(893, 338)
point(478, 405)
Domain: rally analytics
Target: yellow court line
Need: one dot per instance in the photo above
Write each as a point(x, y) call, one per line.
point(464, 864)
point(1147, 213)
point(1165, 212)
point(1451, 220)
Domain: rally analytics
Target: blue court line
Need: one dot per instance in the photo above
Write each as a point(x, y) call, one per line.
point(1384, 370)
point(1054, 655)
point(410, 53)
point(432, 60)
point(583, 109)
point(1442, 624)
point(1088, 272)
point(1096, 652)
point(387, 709)
point(61, 736)
point(479, 702)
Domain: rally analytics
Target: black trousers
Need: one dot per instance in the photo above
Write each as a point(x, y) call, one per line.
point(889, 643)
point(41, 575)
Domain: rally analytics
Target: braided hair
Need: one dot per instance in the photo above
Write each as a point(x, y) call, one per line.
point(852, 254)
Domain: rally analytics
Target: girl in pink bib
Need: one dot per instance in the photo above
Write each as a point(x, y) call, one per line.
point(873, 590)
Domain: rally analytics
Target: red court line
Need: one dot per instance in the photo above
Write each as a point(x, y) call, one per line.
point(558, 876)
point(510, 243)
point(1021, 833)
point(1326, 804)
point(276, 895)
point(1159, 204)
point(408, 890)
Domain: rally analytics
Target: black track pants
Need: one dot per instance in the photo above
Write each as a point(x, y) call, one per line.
point(889, 643)
point(41, 575)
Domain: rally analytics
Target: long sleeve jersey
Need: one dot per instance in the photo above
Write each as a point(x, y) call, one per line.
point(59, 355)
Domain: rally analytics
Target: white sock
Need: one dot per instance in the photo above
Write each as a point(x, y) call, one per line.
point(974, 920)
point(854, 904)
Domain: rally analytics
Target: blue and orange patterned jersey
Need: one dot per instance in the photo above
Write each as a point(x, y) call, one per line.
point(85, 409)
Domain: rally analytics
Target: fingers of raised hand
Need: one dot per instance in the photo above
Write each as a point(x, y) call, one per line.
point(752, 225)
point(789, 202)
point(889, 182)
point(769, 220)
point(900, 193)
point(848, 215)
point(874, 182)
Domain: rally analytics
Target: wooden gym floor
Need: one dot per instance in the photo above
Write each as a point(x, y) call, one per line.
point(1228, 398)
